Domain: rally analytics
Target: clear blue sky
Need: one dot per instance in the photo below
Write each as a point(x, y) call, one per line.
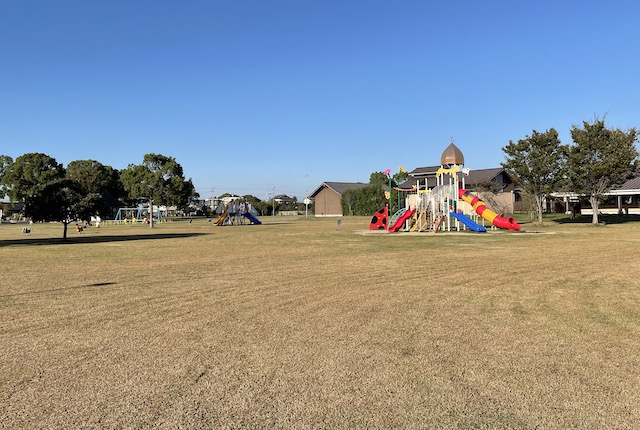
point(253, 94)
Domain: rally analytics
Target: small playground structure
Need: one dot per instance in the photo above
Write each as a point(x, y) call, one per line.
point(236, 212)
point(446, 207)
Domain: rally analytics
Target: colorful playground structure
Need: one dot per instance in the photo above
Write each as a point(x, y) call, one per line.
point(446, 207)
point(236, 212)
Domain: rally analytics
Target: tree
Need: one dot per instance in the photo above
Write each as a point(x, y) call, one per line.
point(61, 201)
point(386, 181)
point(251, 199)
point(38, 180)
point(599, 159)
point(349, 199)
point(363, 201)
point(400, 176)
point(288, 204)
point(94, 177)
point(95, 181)
point(379, 178)
point(537, 163)
point(261, 206)
point(29, 175)
point(5, 161)
point(159, 179)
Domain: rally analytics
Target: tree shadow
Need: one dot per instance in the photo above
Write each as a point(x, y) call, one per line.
point(604, 219)
point(82, 239)
point(55, 290)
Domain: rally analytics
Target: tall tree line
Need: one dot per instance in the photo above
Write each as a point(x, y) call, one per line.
point(51, 192)
point(599, 159)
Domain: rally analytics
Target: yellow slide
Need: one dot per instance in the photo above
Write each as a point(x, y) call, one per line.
point(223, 216)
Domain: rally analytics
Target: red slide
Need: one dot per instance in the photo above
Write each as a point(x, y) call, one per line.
point(400, 222)
point(481, 209)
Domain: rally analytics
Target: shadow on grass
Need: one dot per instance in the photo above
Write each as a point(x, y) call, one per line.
point(54, 290)
point(71, 240)
point(604, 219)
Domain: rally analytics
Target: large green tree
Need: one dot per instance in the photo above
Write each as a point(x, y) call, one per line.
point(379, 178)
point(38, 181)
point(96, 182)
point(30, 174)
point(363, 201)
point(537, 163)
point(158, 180)
point(61, 201)
point(599, 159)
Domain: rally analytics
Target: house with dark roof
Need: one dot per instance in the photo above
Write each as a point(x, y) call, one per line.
point(283, 198)
point(9, 210)
point(327, 197)
point(420, 178)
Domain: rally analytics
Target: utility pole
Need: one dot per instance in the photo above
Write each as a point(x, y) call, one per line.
point(273, 193)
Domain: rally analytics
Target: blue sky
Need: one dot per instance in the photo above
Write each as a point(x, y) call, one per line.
point(253, 94)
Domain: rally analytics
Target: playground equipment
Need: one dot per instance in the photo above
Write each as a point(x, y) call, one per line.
point(481, 209)
point(236, 211)
point(468, 222)
point(251, 218)
point(399, 218)
point(138, 214)
point(222, 217)
point(380, 219)
point(445, 207)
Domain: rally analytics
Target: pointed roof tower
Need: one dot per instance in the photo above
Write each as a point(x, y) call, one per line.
point(452, 155)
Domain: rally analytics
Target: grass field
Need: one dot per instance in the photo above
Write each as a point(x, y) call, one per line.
point(300, 325)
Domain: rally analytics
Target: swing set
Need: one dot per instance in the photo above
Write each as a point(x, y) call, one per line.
point(134, 215)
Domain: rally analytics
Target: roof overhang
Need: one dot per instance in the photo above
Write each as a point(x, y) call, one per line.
point(623, 192)
point(629, 192)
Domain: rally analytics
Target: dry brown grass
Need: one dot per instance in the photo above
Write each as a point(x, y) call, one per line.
point(302, 326)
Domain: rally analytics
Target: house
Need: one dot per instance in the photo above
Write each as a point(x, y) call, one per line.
point(328, 197)
point(423, 178)
point(11, 211)
point(283, 198)
point(286, 205)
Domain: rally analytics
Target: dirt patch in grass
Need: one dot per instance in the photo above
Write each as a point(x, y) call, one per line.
point(300, 325)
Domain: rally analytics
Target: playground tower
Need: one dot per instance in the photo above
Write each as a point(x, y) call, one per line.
point(444, 201)
point(452, 156)
point(443, 204)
